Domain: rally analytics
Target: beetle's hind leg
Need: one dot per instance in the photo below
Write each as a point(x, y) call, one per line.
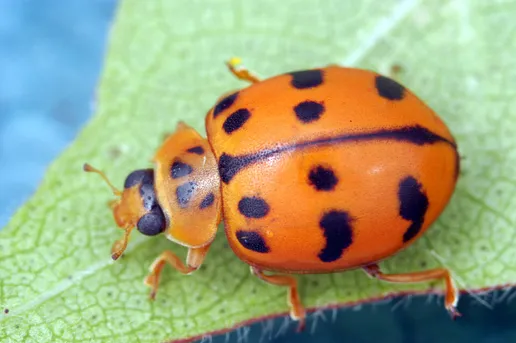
point(236, 68)
point(297, 310)
point(451, 296)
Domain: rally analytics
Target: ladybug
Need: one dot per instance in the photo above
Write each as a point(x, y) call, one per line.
point(313, 171)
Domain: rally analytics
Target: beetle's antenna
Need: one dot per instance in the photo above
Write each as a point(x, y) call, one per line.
point(90, 169)
point(120, 245)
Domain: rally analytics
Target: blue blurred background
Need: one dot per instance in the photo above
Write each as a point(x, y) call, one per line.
point(51, 56)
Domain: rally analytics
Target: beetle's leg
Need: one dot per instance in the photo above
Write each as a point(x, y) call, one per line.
point(297, 310)
point(451, 297)
point(236, 68)
point(119, 246)
point(193, 262)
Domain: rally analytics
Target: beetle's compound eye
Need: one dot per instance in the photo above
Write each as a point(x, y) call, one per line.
point(152, 223)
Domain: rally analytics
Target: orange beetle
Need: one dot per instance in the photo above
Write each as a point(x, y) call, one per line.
point(313, 171)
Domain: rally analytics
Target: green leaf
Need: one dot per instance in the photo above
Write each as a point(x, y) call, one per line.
point(165, 63)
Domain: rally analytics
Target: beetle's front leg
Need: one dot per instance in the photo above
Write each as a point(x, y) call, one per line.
point(193, 262)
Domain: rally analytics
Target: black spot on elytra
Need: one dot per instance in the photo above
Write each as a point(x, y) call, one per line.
point(322, 178)
point(224, 104)
point(306, 78)
point(338, 233)
point(308, 111)
point(196, 150)
point(180, 169)
point(144, 176)
point(229, 166)
point(207, 201)
point(253, 207)
point(252, 240)
point(413, 205)
point(236, 120)
point(184, 193)
point(417, 135)
point(388, 88)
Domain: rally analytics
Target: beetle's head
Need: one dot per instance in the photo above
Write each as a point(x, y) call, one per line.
point(135, 206)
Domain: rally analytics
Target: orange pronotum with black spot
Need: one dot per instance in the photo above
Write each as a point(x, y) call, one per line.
point(313, 171)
